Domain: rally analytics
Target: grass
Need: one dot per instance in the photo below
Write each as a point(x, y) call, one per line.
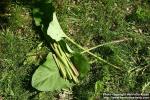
point(89, 23)
point(95, 22)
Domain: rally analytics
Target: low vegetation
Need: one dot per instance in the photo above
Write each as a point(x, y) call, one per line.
point(118, 31)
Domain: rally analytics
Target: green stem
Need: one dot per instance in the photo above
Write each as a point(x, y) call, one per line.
point(68, 61)
point(97, 57)
point(113, 42)
point(63, 60)
point(72, 67)
point(68, 65)
point(60, 66)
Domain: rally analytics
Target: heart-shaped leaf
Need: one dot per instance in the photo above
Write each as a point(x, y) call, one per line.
point(47, 77)
point(54, 30)
point(81, 63)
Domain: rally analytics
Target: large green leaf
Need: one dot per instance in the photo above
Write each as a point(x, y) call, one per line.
point(81, 63)
point(47, 77)
point(54, 30)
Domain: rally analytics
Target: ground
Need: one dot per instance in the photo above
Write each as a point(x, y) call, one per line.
point(89, 23)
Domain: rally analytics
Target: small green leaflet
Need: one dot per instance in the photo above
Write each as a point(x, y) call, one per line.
point(37, 19)
point(65, 47)
point(54, 30)
point(99, 86)
point(32, 56)
point(47, 77)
